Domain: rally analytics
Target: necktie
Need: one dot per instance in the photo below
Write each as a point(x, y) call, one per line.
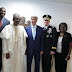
point(0, 23)
point(34, 33)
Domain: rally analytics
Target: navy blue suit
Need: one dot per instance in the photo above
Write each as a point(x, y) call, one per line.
point(34, 47)
point(4, 23)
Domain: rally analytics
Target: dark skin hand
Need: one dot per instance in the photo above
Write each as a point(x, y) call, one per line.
point(7, 55)
point(41, 52)
point(68, 57)
point(25, 53)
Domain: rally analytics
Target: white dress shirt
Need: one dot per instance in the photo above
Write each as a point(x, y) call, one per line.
point(59, 44)
point(32, 29)
point(46, 27)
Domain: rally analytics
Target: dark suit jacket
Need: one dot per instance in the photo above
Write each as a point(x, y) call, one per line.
point(65, 43)
point(4, 23)
point(34, 46)
point(50, 40)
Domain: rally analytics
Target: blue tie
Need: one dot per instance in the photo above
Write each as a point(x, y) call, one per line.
point(34, 33)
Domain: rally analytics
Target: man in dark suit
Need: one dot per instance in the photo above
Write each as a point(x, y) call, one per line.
point(3, 23)
point(49, 43)
point(34, 44)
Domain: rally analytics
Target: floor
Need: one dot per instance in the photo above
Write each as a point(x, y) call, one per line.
point(69, 65)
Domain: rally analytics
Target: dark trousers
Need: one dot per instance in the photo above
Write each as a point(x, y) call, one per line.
point(37, 62)
point(60, 63)
point(46, 63)
point(0, 54)
point(0, 59)
point(0, 65)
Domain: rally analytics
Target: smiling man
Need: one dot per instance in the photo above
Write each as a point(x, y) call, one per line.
point(49, 33)
point(14, 46)
point(34, 44)
point(3, 23)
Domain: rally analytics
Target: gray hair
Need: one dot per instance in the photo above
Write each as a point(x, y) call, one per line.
point(34, 17)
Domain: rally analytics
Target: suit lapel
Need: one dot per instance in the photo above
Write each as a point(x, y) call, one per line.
point(37, 31)
point(3, 22)
point(2, 25)
point(30, 30)
point(64, 37)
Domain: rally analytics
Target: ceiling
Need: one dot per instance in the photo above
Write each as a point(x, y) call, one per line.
point(60, 1)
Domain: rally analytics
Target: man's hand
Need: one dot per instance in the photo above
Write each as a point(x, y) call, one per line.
point(68, 57)
point(52, 53)
point(71, 45)
point(41, 52)
point(7, 55)
point(25, 53)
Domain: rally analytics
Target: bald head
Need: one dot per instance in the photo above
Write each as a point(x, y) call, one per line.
point(3, 8)
point(16, 19)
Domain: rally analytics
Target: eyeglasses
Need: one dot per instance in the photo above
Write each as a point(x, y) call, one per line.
point(46, 20)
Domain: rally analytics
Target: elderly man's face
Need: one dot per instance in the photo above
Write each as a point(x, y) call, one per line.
point(34, 20)
point(46, 22)
point(2, 12)
point(16, 20)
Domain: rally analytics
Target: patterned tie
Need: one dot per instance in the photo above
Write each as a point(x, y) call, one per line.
point(34, 33)
point(0, 23)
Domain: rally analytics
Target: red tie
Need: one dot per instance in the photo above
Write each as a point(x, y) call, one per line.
point(0, 23)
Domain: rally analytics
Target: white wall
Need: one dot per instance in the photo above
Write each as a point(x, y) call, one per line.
point(60, 12)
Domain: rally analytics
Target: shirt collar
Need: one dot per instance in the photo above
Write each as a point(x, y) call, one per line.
point(46, 26)
point(32, 26)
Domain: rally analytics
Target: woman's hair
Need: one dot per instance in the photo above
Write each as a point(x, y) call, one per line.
point(65, 24)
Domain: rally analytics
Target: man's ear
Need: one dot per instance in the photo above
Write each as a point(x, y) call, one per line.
point(49, 21)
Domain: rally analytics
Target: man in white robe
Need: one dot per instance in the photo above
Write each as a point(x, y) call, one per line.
point(14, 46)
